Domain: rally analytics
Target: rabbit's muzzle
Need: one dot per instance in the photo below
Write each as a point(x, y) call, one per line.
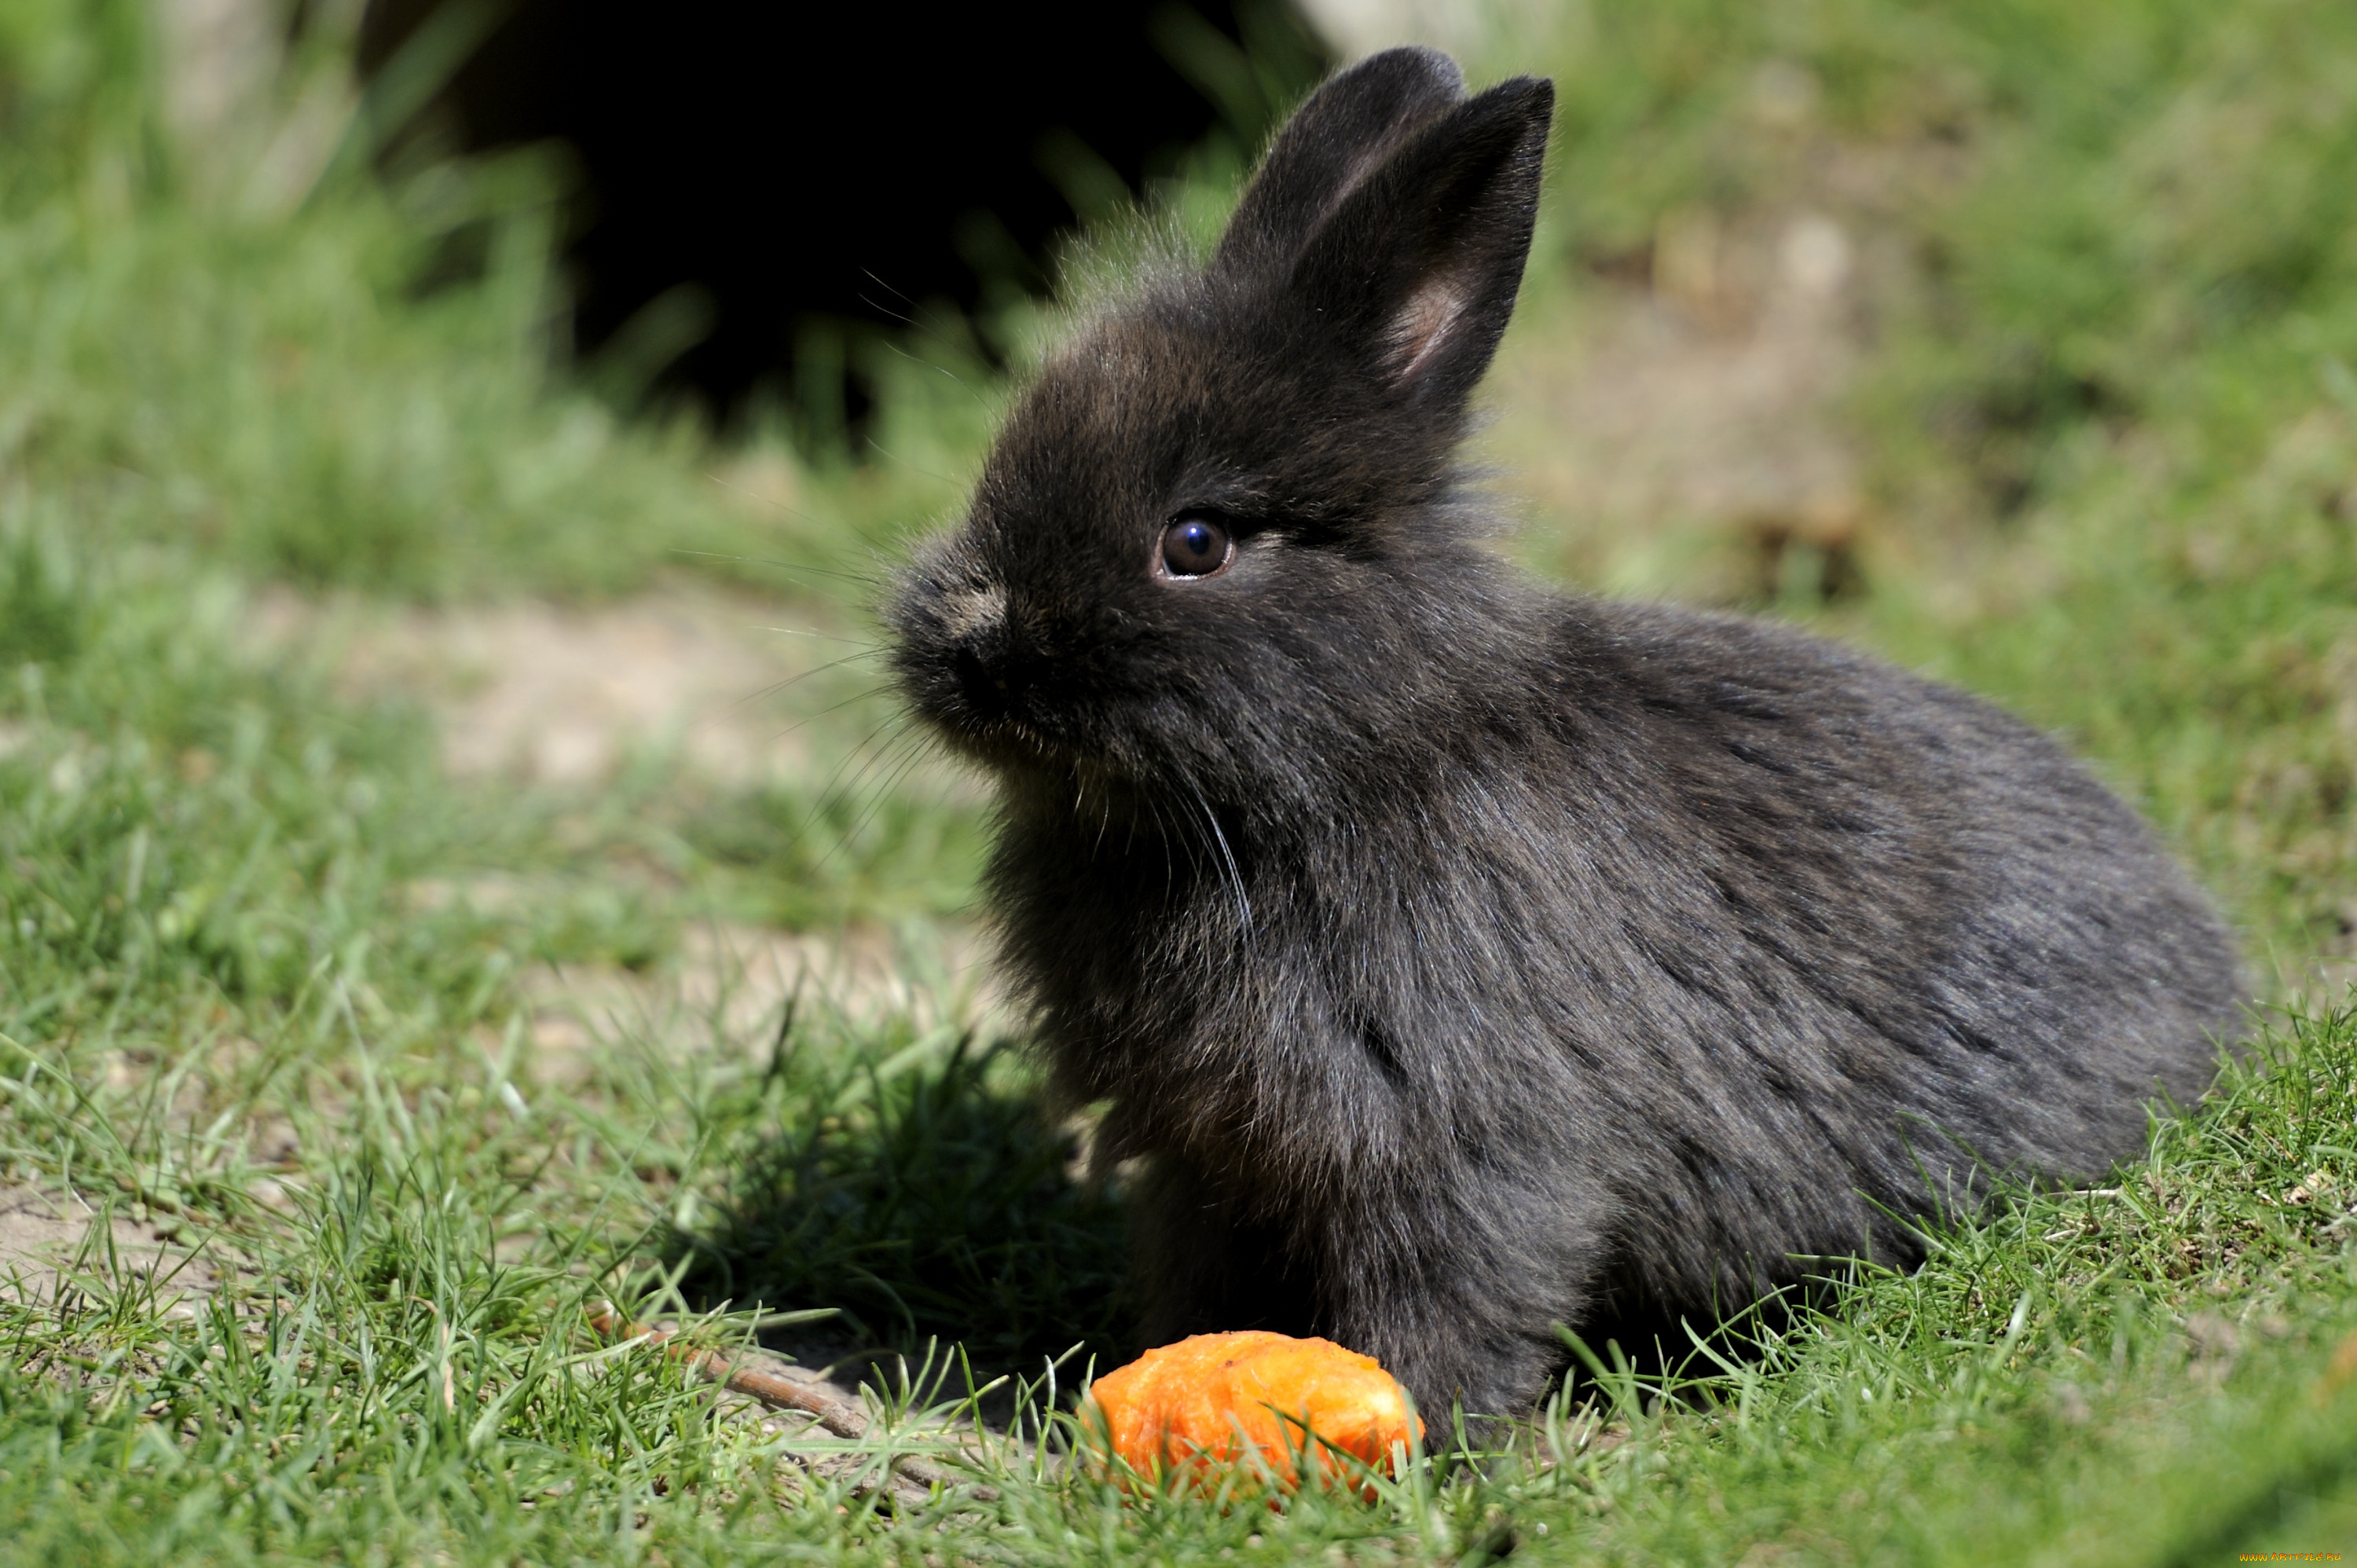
point(980, 680)
point(990, 680)
point(993, 663)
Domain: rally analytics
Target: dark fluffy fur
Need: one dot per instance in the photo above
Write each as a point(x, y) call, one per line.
point(1463, 958)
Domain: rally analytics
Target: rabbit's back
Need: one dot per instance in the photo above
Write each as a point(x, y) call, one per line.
point(1875, 934)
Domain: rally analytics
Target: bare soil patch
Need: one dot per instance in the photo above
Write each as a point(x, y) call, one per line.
point(47, 1247)
point(564, 694)
point(1685, 430)
point(735, 982)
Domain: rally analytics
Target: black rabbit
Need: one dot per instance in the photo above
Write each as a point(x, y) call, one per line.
point(1463, 958)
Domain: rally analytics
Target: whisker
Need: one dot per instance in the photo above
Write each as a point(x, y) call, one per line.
point(884, 789)
point(891, 455)
point(962, 384)
point(906, 318)
point(820, 637)
point(856, 697)
point(859, 577)
point(791, 681)
point(1186, 841)
point(909, 319)
point(838, 788)
point(860, 753)
point(1235, 876)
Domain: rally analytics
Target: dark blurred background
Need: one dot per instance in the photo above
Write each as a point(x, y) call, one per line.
point(757, 187)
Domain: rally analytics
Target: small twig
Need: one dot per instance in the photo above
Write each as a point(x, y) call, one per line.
point(771, 1384)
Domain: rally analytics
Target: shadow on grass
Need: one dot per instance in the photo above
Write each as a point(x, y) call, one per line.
point(936, 1202)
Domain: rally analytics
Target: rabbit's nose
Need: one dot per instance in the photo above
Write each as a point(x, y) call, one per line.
point(989, 677)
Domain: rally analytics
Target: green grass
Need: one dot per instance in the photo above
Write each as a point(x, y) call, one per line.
point(2112, 429)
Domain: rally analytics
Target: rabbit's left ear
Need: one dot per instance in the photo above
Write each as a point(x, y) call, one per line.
point(1346, 129)
point(1417, 267)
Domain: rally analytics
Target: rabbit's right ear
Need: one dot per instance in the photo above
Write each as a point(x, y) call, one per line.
point(1414, 274)
point(1343, 133)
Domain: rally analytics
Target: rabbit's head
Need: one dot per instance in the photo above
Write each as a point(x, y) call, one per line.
point(1217, 547)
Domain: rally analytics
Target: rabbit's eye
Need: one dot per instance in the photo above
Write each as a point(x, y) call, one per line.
point(1197, 546)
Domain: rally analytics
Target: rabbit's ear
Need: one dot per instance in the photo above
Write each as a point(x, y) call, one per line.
point(1417, 269)
point(1345, 129)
